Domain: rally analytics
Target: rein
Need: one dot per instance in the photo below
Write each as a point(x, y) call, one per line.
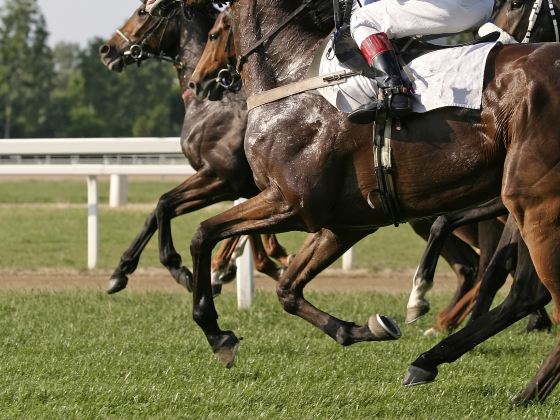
point(242, 59)
point(537, 5)
point(230, 77)
point(137, 51)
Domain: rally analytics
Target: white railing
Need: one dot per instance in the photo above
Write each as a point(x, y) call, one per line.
point(103, 147)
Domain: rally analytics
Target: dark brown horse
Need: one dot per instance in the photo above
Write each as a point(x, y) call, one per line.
point(460, 256)
point(211, 139)
point(315, 169)
point(136, 42)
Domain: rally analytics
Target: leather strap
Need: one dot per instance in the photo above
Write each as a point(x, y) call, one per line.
point(243, 57)
point(295, 88)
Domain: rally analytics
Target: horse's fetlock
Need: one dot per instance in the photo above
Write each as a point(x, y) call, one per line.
point(287, 299)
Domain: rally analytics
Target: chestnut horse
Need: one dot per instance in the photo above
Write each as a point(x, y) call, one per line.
point(315, 169)
point(211, 140)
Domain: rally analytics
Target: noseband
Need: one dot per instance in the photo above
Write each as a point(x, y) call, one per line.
point(229, 78)
point(136, 50)
point(533, 19)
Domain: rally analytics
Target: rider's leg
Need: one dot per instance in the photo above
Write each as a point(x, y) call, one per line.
point(374, 24)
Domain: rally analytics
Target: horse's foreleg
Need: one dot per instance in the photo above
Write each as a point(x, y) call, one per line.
point(318, 252)
point(196, 192)
point(539, 321)
point(479, 299)
point(440, 230)
point(501, 265)
point(265, 212)
point(462, 259)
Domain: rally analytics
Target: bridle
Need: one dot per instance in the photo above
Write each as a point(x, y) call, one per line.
point(537, 5)
point(137, 50)
point(230, 77)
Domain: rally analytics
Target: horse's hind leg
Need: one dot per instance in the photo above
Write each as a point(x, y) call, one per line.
point(318, 252)
point(540, 225)
point(223, 265)
point(196, 192)
point(531, 191)
point(263, 263)
point(275, 250)
point(526, 295)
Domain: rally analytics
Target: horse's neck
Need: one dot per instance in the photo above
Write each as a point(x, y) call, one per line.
point(283, 59)
point(193, 34)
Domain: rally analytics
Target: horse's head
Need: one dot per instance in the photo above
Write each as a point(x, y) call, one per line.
point(528, 20)
point(141, 37)
point(216, 65)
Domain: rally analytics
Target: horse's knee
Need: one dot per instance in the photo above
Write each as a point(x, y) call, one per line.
point(287, 298)
point(441, 226)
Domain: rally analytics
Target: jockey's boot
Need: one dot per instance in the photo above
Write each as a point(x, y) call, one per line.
point(381, 56)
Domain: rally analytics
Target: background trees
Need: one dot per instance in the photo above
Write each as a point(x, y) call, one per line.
point(66, 91)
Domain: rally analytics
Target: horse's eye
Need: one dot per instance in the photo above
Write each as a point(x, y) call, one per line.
point(142, 12)
point(517, 4)
point(214, 37)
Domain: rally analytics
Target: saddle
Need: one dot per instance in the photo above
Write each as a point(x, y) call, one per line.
point(408, 48)
point(349, 55)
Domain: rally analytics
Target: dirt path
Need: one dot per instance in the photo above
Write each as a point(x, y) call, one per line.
point(160, 280)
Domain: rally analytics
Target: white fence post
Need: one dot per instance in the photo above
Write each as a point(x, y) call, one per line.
point(93, 225)
point(245, 275)
point(118, 191)
point(347, 260)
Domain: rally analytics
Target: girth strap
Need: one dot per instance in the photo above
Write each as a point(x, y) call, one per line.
point(384, 169)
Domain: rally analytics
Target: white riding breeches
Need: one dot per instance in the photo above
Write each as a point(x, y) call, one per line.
point(400, 18)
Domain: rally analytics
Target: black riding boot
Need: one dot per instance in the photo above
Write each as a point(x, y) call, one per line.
point(379, 53)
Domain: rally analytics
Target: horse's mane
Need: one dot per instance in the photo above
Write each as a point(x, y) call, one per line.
point(317, 16)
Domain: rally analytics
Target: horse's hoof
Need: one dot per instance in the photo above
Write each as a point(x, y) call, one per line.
point(228, 275)
point(226, 349)
point(117, 283)
point(432, 332)
point(418, 376)
point(521, 399)
point(216, 289)
point(384, 328)
point(414, 313)
point(184, 278)
point(538, 324)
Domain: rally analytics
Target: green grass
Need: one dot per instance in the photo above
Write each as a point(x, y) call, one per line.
point(80, 354)
point(75, 192)
point(34, 238)
point(53, 237)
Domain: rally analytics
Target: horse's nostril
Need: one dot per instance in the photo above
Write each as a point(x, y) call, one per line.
point(104, 49)
point(193, 86)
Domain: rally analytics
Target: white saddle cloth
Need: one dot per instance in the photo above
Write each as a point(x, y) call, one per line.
point(449, 77)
